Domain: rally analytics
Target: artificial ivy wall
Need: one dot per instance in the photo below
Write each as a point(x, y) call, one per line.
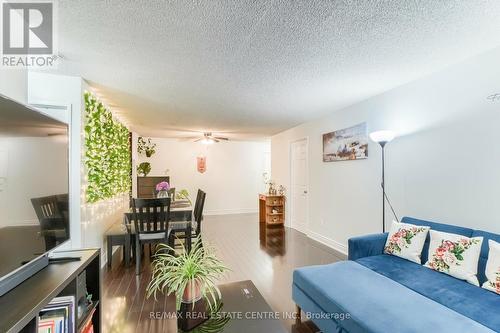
point(107, 152)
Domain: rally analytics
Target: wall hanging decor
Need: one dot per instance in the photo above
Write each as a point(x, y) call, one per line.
point(146, 147)
point(201, 164)
point(346, 144)
point(107, 155)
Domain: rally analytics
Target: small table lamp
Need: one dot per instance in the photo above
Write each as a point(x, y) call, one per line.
point(382, 138)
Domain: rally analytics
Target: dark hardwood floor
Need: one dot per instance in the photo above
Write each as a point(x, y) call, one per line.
point(267, 256)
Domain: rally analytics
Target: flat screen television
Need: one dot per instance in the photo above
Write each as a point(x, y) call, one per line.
point(34, 183)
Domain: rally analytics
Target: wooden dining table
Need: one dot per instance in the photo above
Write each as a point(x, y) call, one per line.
point(180, 211)
point(123, 234)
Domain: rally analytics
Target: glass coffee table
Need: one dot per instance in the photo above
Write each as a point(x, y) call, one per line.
point(243, 310)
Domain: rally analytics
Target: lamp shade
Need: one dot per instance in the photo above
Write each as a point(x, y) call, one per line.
point(207, 141)
point(382, 136)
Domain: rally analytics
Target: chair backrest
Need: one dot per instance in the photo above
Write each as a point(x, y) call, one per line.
point(198, 209)
point(171, 193)
point(53, 215)
point(151, 214)
point(46, 207)
point(196, 204)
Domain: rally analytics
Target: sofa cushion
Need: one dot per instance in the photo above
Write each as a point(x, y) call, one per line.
point(452, 229)
point(406, 241)
point(375, 302)
point(485, 250)
point(476, 303)
point(493, 268)
point(455, 255)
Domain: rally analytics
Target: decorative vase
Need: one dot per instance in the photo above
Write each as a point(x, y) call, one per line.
point(162, 194)
point(194, 309)
point(192, 292)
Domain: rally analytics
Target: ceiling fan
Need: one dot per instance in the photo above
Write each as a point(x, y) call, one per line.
point(208, 138)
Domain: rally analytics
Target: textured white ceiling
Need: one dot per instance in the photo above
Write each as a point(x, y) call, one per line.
point(254, 68)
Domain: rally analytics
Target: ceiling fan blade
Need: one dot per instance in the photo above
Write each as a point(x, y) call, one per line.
point(187, 138)
point(198, 140)
point(221, 138)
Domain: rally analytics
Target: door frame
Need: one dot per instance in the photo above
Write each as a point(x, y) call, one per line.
point(305, 228)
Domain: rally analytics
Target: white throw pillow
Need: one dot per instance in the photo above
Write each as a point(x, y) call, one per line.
point(455, 255)
point(406, 241)
point(493, 268)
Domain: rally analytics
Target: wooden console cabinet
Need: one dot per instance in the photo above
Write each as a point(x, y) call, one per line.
point(19, 308)
point(272, 209)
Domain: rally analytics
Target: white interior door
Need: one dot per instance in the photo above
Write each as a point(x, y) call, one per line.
point(300, 185)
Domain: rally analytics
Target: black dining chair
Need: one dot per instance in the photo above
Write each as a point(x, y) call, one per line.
point(52, 213)
point(193, 230)
point(151, 222)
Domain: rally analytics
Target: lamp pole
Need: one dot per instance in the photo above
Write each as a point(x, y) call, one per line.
point(382, 138)
point(382, 144)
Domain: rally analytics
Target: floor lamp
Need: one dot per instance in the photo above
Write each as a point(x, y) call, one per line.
point(382, 138)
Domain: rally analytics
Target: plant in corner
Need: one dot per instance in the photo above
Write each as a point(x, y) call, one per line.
point(190, 275)
point(146, 147)
point(144, 169)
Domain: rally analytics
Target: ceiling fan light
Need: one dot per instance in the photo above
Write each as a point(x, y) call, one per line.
point(207, 141)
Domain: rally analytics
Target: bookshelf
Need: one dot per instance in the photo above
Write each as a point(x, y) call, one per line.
point(20, 307)
point(271, 209)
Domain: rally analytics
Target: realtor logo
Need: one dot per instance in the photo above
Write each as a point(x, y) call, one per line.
point(28, 34)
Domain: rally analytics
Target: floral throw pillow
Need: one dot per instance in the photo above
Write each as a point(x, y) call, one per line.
point(493, 268)
point(455, 255)
point(406, 241)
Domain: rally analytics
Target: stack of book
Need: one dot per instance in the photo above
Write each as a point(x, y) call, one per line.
point(58, 316)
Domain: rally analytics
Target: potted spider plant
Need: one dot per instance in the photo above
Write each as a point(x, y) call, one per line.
point(191, 276)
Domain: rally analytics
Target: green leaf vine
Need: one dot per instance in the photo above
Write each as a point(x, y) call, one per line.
point(107, 152)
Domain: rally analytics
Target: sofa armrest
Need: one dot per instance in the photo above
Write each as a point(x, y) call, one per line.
point(366, 246)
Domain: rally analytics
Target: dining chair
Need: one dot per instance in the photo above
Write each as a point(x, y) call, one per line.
point(198, 214)
point(53, 218)
point(151, 222)
point(192, 230)
point(171, 193)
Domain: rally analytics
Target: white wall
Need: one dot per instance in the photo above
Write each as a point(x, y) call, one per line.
point(444, 166)
point(13, 84)
point(234, 171)
point(88, 221)
point(65, 92)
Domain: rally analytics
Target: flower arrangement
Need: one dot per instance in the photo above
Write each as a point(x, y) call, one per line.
point(401, 239)
point(450, 253)
point(163, 186)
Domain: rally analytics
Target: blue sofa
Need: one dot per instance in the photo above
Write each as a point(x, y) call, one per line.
point(375, 292)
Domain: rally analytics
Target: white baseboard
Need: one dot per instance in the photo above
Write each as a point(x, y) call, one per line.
point(231, 211)
point(337, 246)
